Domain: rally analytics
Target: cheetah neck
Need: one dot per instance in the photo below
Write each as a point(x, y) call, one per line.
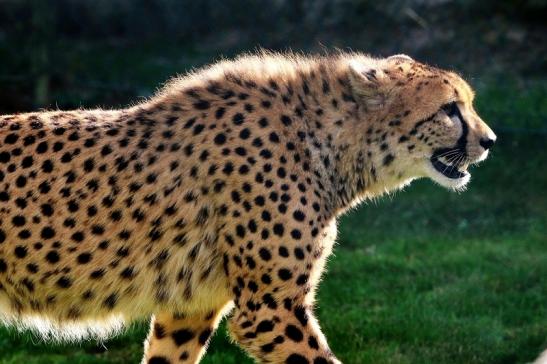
point(315, 92)
point(343, 165)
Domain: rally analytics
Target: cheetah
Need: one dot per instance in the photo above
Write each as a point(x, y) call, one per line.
point(218, 194)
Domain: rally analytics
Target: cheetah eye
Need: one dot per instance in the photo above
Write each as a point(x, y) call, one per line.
point(451, 109)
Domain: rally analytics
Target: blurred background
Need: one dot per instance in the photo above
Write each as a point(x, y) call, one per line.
point(423, 276)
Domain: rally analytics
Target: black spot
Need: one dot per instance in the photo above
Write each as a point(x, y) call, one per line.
point(240, 231)
point(151, 178)
point(106, 150)
point(11, 139)
point(47, 209)
point(263, 122)
point(238, 119)
point(44, 187)
point(47, 166)
point(189, 123)
point(299, 253)
point(296, 234)
point(202, 105)
point(123, 252)
point(266, 279)
point(267, 348)
point(21, 181)
point(265, 326)
point(41, 148)
point(78, 236)
point(57, 146)
point(198, 129)
point(388, 159)
point(127, 273)
point(73, 206)
point(302, 279)
point(220, 139)
point(241, 151)
point(52, 257)
point(84, 258)
point(245, 133)
point(111, 301)
point(278, 229)
point(89, 165)
point(274, 138)
point(21, 202)
point(5, 157)
point(286, 120)
point(27, 162)
point(301, 314)
point(89, 142)
point(96, 274)
point(294, 333)
point(184, 356)
point(296, 359)
point(284, 274)
point(64, 282)
point(158, 360)
point(265, 254)
point(97, 230)
point(18, 220)
point(182, 336)
point(20, 252)
point(244, 169)
point(265, 153)
point(66, 158)
point(299, 215)
point(312, 343)
point(159, 331)
point(59, 131)
point(204, 336)
point(24, 234)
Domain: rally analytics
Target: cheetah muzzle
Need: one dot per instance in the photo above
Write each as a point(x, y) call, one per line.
point(452, 162)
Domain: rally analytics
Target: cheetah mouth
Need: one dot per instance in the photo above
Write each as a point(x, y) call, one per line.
point(449, 170)
point(448, 167)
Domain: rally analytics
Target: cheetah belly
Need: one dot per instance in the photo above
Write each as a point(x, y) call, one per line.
point(126, 282)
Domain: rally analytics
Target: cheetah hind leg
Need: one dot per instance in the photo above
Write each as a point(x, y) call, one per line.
point(180, 338)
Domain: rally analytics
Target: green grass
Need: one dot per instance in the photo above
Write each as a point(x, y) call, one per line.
point(421, 276)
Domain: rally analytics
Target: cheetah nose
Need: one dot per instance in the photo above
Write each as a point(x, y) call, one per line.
point(486, 143)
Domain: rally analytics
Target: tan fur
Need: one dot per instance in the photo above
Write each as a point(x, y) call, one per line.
point(222, 189)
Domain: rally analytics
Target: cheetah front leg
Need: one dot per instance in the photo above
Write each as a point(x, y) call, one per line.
point(281, 332)
point(273, 319)
point(288, 334)
point(180, 338)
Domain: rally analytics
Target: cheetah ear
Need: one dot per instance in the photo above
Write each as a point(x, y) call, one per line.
point(370, 85)
point(402, 57)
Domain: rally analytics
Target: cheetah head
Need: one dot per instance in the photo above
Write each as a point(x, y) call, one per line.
point(421, 120)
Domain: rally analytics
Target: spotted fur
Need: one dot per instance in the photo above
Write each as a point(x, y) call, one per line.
point(220, 191)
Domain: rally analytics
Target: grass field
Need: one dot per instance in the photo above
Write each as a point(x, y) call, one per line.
point(421, 276)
